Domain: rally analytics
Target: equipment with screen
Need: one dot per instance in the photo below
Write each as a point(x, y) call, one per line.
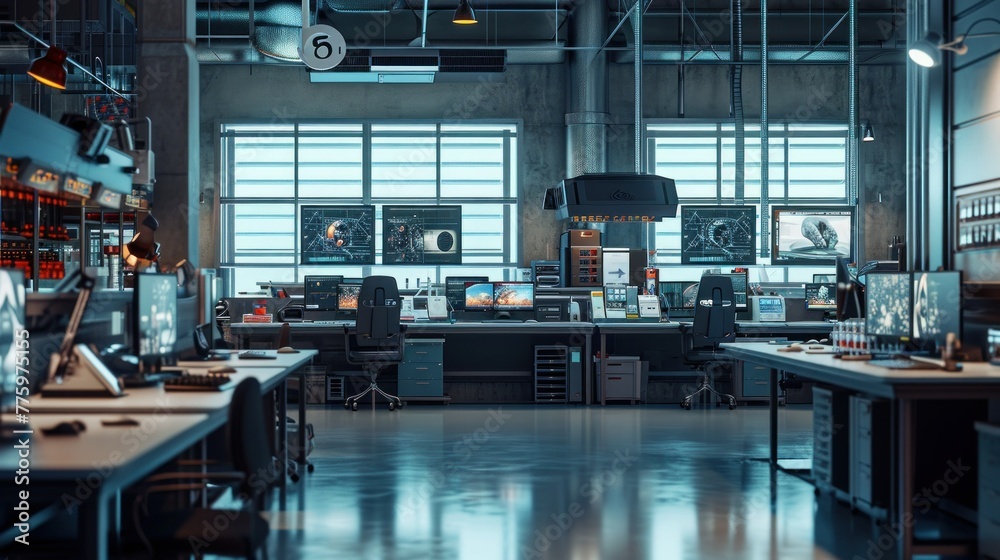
point(850, 294)
point(321, 292)
point(422, 235)
point(811, 235)
point(513, 296)
point(740, 287)
point(478, 296)
point(679, 295)
point(824, 278)
point(154, 316)
point(12, 329)
point(937, 306)
point(889, 304)
point(821, 296)
point(347, 297)
point(767, 308)
point(454, 289)
point(718, 235)
point(337, 234)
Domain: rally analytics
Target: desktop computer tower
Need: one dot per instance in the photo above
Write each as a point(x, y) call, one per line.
point(574, 372)
point(580, 258)
point(869, 454)
point(545, 274)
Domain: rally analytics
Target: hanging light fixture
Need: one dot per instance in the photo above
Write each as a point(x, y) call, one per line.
point(868, 135)
point(50, 69)
point(464, 14)
point(926, 52)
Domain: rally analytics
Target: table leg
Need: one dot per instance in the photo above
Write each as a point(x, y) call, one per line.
point(904, 479)
point(587, 367)
point(283, 428)
point(93, 526)
point(604, 365)
point(302, 416)
point(773, 414)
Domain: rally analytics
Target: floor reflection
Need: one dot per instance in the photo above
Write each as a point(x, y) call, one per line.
point(545, 482)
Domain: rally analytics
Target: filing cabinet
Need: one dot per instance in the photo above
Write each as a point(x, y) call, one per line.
point(622, 381)
point(989, 490)
point(421, 373)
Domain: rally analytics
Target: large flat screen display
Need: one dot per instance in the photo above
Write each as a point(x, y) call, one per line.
point(422, 235)
point(889, 298)
point(337, 234)
point(813, 236)
point(513, 296)
point(718, 235)
point(937, 305)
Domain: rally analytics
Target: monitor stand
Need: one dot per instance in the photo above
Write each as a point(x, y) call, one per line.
point(85, 376)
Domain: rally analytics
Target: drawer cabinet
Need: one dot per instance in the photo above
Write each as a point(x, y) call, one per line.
point(421, 373)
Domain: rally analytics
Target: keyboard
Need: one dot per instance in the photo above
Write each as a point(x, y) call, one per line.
point(256, 355)
point(199, 382)
point(901, 363)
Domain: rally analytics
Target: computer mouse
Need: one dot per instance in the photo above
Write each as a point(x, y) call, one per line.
point(812, 341)
point(66, 428)
point(222, 369)
point(287, 350)
point(530, 321)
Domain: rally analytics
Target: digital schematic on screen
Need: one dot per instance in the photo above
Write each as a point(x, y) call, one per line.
point(718, 235)
point(338, 234)
point(421, 235)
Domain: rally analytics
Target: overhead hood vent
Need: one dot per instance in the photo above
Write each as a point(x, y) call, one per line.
point(613, 197)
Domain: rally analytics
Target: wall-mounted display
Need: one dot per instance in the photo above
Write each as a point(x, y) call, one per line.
point(811, 235)
point(337, 234)
point(718, 235)
point(422, 235)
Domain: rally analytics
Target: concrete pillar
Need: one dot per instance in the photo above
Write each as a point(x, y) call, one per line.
point(168, 89)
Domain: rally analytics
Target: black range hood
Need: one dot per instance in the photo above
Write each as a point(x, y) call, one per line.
point(613, 197)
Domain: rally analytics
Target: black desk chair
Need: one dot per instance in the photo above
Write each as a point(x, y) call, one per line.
point(172, 533)
point(714, 323)
point(378, 336)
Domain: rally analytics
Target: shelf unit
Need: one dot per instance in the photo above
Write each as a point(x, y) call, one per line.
point(551, 373)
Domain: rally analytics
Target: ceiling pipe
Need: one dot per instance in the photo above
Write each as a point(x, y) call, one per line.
point(637, 33)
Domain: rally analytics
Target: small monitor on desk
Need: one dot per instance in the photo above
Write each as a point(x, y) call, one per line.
point(889, 298)
point(478, 296)
point(740, 287)
point(454, 289)
point(513, 296)
point(821, 296)
point(154, 318)
point(321, 292)
point(347, 297)
point(679, 295)
point(937, 306)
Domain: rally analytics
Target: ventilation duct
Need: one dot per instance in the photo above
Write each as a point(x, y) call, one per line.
point(614, 197)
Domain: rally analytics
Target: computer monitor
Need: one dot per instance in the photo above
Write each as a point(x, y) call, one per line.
point(321, 292)
point(937, 306)
point(12, 327)
point(513, 296)
point(740, 287)
point(154, 317)
point(679, 295)
point(454, 289)
point(337, 234)
point(824, 278)
point(715, 235)
point(478, 296)
point(811, 235)
point(821, 296)
point(422, 235)
point(889, 304)
point(850, 294)
point(347, 297)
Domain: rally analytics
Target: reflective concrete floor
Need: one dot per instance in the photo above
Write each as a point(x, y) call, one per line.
point(525, 482)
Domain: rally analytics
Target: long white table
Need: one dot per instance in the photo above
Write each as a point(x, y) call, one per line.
point(903, 387)
point(106, 459)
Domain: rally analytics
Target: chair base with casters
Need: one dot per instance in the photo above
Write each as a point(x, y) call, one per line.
point(373, 369)
point(705, 386)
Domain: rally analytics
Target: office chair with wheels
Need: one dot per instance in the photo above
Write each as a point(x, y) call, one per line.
point(378, 336)
point(714, 323)
point(166, 533)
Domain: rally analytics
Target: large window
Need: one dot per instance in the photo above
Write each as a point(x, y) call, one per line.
point(807, 165)
point(270, 171)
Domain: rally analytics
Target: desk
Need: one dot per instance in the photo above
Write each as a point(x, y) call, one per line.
point(474, 349)
point(902, 387)
point(112, 453)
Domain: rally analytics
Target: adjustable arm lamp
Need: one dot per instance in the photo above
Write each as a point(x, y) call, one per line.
point(143, 250)
point(927, 51)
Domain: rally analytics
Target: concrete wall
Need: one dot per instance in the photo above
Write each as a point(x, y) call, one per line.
point(536, 94)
